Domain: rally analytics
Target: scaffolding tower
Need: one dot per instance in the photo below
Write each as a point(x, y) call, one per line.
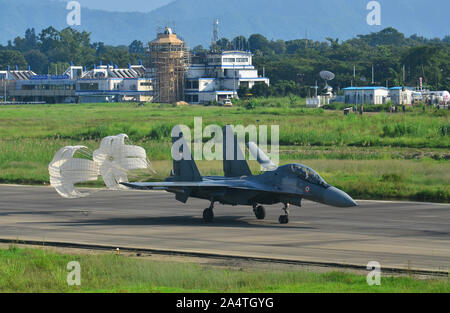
point(169, 62)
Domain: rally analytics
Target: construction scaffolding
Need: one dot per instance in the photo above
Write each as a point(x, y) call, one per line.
point(169, 62)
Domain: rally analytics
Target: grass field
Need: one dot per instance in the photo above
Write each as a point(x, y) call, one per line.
point(38, 270)
point(374, 156)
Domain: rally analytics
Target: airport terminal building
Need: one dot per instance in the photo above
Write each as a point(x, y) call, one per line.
point(104, 83)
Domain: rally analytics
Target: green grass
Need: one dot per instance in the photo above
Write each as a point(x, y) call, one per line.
point(354, 152)
point(38, 270)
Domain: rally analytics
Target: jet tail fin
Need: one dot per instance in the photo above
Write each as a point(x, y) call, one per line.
point(184, 167)
point(234, 163)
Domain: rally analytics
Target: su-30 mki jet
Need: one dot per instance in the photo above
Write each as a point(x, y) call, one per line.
point(287, 184)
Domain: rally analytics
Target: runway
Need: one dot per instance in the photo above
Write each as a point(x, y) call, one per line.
point(395, 234)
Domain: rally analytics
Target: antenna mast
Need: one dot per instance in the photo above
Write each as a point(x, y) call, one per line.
point(215, 31)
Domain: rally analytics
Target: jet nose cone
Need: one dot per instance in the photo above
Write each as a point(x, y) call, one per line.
point(338, 198)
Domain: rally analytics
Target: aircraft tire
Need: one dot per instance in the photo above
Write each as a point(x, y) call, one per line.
point(260, 212)
point(284, 219)
point(208, 215)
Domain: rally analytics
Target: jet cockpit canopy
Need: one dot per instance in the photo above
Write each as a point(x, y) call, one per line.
point(309, 175)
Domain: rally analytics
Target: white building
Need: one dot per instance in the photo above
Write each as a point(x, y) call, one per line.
point(110, 83)
point(217, 76)
point(366, 95)
point(101, 84)
point(402, 96)
point(439, 97)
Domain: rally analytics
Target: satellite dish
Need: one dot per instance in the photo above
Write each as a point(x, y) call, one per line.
point(327, 76)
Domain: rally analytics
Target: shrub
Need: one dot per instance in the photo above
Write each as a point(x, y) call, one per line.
point(392, 177)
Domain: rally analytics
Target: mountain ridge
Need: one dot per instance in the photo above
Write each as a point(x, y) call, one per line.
point(287, 19)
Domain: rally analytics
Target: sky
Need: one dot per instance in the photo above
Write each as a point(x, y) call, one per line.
point(123, 5)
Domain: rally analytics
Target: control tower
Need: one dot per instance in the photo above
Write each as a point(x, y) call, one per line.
point(169, 62)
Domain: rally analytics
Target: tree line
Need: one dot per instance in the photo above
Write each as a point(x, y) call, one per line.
point(292, 65)
point(51, 51)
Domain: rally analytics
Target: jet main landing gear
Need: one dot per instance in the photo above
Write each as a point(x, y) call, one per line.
point(259, 211)
point(284, 219)
point(208, 214)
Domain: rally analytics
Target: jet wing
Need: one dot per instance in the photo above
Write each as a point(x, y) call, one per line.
point(231, 184)
point(172, 184)
point(236, 184)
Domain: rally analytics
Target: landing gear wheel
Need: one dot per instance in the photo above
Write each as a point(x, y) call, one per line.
point(284, 219)
point(208, 215)
point(260, 212)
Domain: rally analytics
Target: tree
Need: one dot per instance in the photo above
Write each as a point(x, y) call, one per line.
point(37, 61)
point(388, 36)
point(199, 50)
point(258, 42)
point(239, 43)
point(261, 90)
point(137, 47)
point(279, 46)
point(30, 42)
point(12, 58)
point(31, 39)
point(49, 39)
point(222, 44)
point(243, 91)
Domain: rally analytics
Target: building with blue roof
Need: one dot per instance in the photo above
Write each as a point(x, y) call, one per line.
point(402, 95)
point(366, 95)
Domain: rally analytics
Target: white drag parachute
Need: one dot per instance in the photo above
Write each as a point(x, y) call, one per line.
point(66, 171)
point(116, 159)
point(113, 161)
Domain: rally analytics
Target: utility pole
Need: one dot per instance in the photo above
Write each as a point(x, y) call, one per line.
point(234, 80)
point(4, 86)
point(306, 38)
point(373, 75)
point(404, 75)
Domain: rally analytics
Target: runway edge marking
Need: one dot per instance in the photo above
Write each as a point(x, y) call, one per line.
point(391, 270)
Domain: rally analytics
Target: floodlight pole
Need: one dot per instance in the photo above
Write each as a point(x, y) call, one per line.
point(234, 80)
point(4, 87)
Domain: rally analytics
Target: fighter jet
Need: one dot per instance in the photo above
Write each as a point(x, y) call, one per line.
point(287, 184)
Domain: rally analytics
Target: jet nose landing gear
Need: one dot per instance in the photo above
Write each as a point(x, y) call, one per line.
point(284, 219)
